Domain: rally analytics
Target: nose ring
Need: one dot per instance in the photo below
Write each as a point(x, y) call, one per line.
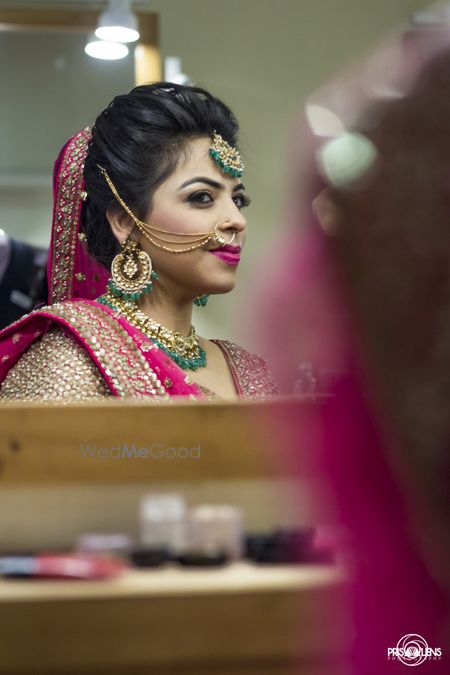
point(219, 237)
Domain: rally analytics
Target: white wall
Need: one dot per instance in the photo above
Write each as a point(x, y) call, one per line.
point(50, 89)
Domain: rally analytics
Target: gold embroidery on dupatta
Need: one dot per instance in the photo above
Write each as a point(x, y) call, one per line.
point(118, 354)
point(54, 368)
point(66, 214)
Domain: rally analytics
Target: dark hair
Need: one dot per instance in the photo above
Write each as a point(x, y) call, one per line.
point(138, 139)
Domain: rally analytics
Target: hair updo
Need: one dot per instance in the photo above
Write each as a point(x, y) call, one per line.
point(138, 139)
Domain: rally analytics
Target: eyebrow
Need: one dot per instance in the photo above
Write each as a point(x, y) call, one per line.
point(212, 183)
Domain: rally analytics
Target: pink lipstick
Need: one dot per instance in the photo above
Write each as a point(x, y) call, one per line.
point(229, 254)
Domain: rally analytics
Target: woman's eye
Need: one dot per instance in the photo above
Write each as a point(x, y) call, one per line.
point(201, 198)
point(204, 198)
point(242, 201)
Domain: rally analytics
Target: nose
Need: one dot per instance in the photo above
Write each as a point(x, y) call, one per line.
point(232, 231)
point(233, 224)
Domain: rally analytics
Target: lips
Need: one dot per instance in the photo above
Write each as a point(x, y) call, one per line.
point(232, 258)
point(228, 249)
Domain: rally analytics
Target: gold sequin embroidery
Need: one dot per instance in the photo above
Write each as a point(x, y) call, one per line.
point(56, 368)
point(66, 210)
point(122, 361)
point(251, 371)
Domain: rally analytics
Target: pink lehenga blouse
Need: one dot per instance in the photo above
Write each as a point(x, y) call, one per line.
point(80, 349)
point(77, 348)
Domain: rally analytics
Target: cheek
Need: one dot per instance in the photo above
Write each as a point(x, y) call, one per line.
point(166, 220)
point(177, 218)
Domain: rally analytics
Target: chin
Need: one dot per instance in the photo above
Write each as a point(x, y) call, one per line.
point(215, 280)
point(221, 286)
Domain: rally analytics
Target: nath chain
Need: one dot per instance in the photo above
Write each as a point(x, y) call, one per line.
point(204, 238)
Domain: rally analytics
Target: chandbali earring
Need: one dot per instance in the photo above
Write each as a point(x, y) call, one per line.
point(131, 272)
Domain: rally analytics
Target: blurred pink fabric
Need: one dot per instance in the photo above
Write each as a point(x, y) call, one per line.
point(314, 343)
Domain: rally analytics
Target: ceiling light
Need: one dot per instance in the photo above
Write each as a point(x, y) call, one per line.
point(109, 51)
point(118, 23)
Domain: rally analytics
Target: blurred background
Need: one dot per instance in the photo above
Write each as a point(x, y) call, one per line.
point(262, 57)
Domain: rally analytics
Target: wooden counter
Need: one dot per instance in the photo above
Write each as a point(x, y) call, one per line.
point(241, 619)
point(78, 444)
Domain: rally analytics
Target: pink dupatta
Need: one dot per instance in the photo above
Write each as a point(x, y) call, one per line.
point(129, 362)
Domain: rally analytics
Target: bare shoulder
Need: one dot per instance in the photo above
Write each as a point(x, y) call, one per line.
point(54, 367)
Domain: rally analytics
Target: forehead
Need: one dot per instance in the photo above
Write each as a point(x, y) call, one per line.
point(196, 150)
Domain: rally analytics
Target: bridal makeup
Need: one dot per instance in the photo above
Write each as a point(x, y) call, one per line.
point(229, 254)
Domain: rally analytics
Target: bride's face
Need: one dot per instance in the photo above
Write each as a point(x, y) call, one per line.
point(196, 197)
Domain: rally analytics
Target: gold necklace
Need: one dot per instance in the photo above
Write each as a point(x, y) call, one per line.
point(184, 350)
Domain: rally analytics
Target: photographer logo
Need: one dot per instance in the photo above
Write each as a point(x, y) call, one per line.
point(413, 650)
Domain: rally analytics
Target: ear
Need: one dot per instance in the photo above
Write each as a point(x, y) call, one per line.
point(120, 223)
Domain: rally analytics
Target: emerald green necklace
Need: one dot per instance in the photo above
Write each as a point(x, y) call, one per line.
point(184, 350)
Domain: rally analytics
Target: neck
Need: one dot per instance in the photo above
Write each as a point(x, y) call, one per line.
point(174, 314)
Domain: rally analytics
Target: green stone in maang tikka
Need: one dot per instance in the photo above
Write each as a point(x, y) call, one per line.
point(226, 156)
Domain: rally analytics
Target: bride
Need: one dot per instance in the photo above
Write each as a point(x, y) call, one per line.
point(147, 220)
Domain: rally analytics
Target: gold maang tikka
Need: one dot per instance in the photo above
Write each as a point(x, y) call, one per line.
point(226, 156)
